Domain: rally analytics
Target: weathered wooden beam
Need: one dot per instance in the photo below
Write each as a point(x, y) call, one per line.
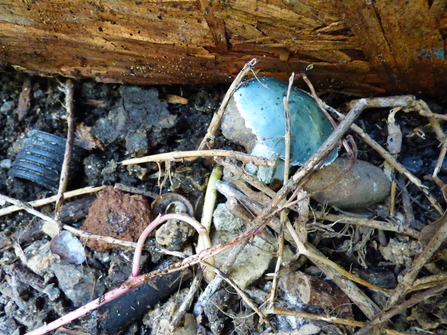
point(400, 39)
point(360, 47)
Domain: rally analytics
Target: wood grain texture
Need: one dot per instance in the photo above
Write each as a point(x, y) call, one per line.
point(360, 47)
point(401, 40)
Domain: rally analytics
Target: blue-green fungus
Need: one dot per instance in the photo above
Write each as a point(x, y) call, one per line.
point(259, 103)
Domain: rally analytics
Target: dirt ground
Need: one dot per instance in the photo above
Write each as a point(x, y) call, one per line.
point(115, 123)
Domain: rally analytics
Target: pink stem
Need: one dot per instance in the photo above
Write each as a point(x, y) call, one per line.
point(127, 286)
point(154, 224)
point(133, 282)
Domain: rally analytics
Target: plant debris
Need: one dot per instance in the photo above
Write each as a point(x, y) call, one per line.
point(282, 261)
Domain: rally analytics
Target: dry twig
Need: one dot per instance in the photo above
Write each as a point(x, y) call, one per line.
point(241, 293)
point(106, 239)
point(330, 319)
point(283, 216)
point(405, 285)
point(339, 276)
point(399, 167)
point(310, 316)
point(187, 301)
point(376, 224)
point(134, 190)
point(208, 140)
point(410, 103)
point(439, 163)
point(68, 90)
point(240, 173)
point(46, 201)
point(215, 283)
point(383, 317)
point(192, 155)
point(322, 152)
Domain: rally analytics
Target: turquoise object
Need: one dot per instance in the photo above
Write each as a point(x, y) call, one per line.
point(260, 103)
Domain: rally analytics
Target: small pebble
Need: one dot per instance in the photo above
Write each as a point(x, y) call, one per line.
point(7, 106)
point(6, 164)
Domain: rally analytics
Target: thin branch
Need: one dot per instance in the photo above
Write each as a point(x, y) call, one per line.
point(284, 213)
point(68, 89)
point(287, 127)
point(310, 316)
point(399, 167)
point(241, 293)
point(383, 317)
point(132, 245)
point(405, 285)
point(323, 151)
point(254, 207)
point(195, 286)
point(376, 224)
point(46, 201)
point(192, 155)
point(410, 102)
point(341, 277)
point(423, 109)
point(30, 209)
point(317, 99)
point(240, 173)
point(308, 250)
point(329, 319)
point(323, 107)
point(393, 101)
point(208, 140)
point(135, 282)
point(437, 169)
point(213, 285)
point(134, 190)
point(154, 224)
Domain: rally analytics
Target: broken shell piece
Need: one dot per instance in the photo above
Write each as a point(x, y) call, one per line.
point(255, 119)
point(363, 185)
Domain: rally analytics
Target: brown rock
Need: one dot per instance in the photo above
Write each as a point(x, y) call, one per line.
point(363, 185)
point(116, 214)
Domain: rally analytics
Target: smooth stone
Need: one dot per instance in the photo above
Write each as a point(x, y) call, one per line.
point(362, 186)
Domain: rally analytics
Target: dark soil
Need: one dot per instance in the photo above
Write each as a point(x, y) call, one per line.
point(120, 122)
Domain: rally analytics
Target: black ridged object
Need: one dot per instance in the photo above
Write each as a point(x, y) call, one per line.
point(40, 159)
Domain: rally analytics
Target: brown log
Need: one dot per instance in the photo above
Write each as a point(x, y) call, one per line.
point(360, 47)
